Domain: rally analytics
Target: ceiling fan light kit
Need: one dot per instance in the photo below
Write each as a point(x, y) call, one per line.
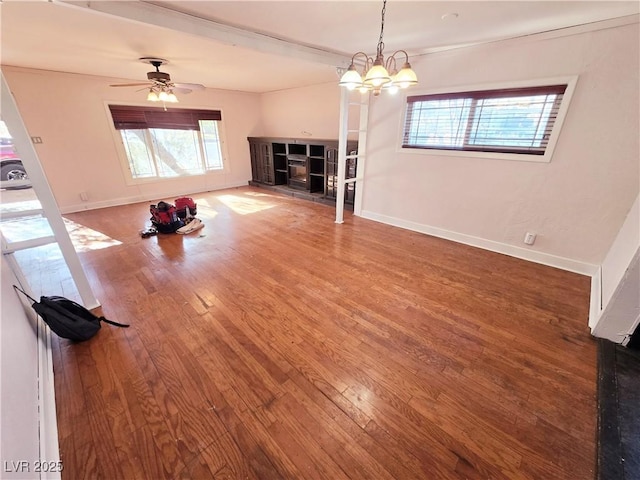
point(378, 74)
point(162, 94)
point(161, 87)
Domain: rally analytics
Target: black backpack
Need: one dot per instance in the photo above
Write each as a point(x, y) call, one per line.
point(68, 319)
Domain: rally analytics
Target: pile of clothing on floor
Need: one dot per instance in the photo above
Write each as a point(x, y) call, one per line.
point(173, 218)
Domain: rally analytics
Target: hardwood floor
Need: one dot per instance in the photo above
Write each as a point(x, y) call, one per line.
point(276, 344)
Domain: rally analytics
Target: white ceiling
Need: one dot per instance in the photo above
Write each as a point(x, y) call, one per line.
point(262, 46)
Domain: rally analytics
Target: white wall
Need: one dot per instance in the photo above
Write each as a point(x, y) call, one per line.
point(18, 383)
point(79, 153)
point(306, 112)
point(576, 203)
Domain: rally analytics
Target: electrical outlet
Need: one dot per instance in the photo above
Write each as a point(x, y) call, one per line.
point(36, 139)
point(530, 238)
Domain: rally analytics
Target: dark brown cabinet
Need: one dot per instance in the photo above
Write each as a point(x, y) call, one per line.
point(301, 165)
point(262, 162)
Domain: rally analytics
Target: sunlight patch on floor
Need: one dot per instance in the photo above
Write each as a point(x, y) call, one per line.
point(258, 194)
point(11, 207)
point(244, 205)
point(25, 228)
point(83, 238)
point(47, 272)
point(203, 204)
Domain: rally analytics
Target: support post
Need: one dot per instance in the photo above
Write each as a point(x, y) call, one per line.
point(342, 153)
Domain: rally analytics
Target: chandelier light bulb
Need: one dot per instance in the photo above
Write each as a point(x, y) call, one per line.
point(163, 96)
point(406, 77)
point(377, 75)
point(152, 96)
point(351, 78)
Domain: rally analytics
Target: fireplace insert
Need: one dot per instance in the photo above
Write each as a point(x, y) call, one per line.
point(297, 171)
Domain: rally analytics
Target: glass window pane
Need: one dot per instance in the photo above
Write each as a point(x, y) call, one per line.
point(140, 161)
point(7, 150)
point(211, 140)
point(4, 131)
point(177, 152)
point(510, 121)
point(439, 123)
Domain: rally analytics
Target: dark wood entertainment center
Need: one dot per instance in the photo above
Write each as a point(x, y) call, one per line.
point(306, 168)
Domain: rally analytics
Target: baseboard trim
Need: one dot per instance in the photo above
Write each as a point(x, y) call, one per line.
point(115, 202)
point(595, 301)
point(506, 249)
point(48, 423)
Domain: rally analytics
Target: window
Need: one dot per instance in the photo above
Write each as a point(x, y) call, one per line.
point(169, 143)
point(515, 120)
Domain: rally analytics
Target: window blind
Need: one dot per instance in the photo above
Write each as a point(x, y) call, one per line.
point(127, 117)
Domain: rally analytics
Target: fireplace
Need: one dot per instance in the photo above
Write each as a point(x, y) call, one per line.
point(297, 165)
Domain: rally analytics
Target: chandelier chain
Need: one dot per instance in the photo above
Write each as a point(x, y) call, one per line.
point(380, 42)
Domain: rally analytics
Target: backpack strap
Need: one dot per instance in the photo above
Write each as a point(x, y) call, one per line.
point(111, 322)
point(102, 319)
point(24, 293)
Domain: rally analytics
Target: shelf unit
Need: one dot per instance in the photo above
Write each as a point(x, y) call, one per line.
point(301, 165)
point(279, 163)
point(317, 170)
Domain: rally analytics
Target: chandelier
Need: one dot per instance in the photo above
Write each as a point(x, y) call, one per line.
point(378, 74)
point(161, 93)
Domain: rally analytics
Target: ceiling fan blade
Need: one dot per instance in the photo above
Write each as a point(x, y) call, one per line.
point(130, 84)
point(182, 90)
point(190, 86)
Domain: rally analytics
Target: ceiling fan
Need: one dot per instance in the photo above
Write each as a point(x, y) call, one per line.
point(160, 86)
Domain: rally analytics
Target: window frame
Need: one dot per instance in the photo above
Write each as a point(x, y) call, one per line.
point(124, 159)
point(570, 81)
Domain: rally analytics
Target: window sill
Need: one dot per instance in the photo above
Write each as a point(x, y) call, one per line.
point(150, 180)
point(520, 157)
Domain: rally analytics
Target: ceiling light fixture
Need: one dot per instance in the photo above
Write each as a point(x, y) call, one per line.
point(161, 93)
point(377, 73)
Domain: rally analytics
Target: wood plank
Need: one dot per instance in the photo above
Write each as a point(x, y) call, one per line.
point(223, 459)
point(302, 446)
point(355, 461)
point(395, 461)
